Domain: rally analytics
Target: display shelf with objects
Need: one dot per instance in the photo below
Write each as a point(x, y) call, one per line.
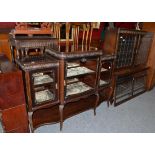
point(106, 70)
point(41, 74)
point(61, 83)
point(79, 76)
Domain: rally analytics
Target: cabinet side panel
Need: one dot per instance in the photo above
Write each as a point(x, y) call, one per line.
point(15, 119)
point(110, 41)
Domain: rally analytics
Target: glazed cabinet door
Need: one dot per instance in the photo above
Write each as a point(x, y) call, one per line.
point(123, 89)
point(44, 86)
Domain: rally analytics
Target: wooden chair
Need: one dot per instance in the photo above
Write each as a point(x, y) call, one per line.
point(87, 30)
point(57, 34)
point(77, 44)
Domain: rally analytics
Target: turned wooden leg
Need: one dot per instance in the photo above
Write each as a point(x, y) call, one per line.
point(61, 107)
point(22, 53)
point(17, 54)
point(96, 103)
point(30, 114)
point(26, 51)
point(42, 50)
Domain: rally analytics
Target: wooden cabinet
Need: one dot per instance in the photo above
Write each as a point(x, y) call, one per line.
point(61, 84)
point(12, 98)
point(79, 77)
point(22, 46)
point(4, 45)
point(150, 27)
point(41, 83)
point(132, 49)
point(130, 84)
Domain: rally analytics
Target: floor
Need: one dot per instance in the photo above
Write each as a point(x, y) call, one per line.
point(136, 115)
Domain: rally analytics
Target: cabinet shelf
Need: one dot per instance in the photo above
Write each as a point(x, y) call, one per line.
point(77, 88)
point(103, 83)
point(72, 64)
point(69, 81)
point(42, 79)
point(43, 96)
point(104, 69)
point(71, 72)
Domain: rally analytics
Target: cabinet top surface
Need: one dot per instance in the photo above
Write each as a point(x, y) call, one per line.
point(73, 54)
point(37, 62)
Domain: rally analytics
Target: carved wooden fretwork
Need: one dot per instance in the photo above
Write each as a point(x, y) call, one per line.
point(25, 28)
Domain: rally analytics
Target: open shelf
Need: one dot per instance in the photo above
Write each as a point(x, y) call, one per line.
point(72, 64)
point(104, 69)
point(43, 96)
point(72, 80)
point(78, 71)
point(42, 79)
point(77, 88)
point(103, 82)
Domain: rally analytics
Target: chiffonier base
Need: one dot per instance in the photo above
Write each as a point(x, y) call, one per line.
point(51, 115)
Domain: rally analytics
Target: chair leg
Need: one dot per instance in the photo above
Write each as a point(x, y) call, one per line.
point(61, 107)
point(30, 114)
point(96, 103)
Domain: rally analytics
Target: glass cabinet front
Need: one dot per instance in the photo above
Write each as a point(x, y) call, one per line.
point(44, 86)
point(80, 76)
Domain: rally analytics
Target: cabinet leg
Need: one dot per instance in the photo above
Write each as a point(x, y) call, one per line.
point(96, 103)
point(30, 114)
point(110, 100)
point(61, 107)
point(108, 103)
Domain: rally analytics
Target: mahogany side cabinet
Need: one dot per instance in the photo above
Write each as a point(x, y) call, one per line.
point(12, 99)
